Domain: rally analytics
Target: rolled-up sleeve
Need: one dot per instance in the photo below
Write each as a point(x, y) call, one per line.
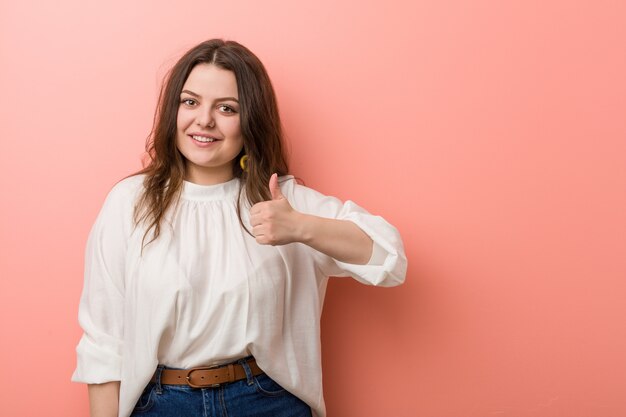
point(387, 265)
point(101, 309)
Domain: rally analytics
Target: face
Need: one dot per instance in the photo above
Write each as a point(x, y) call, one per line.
point(208, 131)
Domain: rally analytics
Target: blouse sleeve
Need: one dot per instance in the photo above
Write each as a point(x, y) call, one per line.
point(100, 314)
point(387, 265)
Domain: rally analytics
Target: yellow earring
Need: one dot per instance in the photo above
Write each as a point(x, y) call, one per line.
point(243, 163)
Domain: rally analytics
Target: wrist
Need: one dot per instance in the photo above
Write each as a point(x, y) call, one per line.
point(304, 228)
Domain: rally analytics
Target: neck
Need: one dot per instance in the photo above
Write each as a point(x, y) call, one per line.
point(208, 176)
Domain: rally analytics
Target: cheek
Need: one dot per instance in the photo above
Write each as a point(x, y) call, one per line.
point(183, 119)
point(233, 127)
point(182, 124)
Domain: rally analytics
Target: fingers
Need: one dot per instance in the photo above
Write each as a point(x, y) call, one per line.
point(256, 210)
point(258, 214)
point(262, 236)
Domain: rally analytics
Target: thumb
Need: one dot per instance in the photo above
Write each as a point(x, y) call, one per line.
point(274, 188)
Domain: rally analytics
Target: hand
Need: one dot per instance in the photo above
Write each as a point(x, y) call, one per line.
point(274, 222)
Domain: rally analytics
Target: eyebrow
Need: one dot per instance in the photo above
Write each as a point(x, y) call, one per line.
point(191, 93)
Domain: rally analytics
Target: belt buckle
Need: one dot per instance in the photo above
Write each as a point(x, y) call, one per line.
point(202, 368)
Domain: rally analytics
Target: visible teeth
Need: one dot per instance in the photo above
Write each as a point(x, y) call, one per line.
point(203, 139)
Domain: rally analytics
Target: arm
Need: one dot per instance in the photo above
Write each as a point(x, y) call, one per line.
point(104, 399)
point(347, 239)
point(340, 239)
point(101, 310)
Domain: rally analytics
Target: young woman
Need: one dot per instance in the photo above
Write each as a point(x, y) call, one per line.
point(205, 272)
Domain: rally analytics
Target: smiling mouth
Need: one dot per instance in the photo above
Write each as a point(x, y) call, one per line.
point(203, 139)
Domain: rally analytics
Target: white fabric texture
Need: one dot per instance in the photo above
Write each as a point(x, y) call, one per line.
point(205, 292)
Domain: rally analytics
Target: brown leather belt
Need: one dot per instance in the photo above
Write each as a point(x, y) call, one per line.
point(207, 377)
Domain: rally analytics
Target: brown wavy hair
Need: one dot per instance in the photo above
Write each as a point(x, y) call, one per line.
point(261, 129)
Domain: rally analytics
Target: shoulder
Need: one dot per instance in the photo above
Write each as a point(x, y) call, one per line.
point(292, 187)
point(128, 185)
point(125, 192)
point(291, 183)
point(308, 200)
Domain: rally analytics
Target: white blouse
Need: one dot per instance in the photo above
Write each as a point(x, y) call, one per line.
point(205, 292)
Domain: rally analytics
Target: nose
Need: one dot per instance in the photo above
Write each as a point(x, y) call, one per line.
point(205, 118)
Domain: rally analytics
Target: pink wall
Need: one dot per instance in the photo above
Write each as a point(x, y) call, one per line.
point(492, 134)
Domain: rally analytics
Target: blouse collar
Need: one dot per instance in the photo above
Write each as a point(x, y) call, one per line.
point(198, 192)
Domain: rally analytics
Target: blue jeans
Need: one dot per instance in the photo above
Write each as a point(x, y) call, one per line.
point(255, 396)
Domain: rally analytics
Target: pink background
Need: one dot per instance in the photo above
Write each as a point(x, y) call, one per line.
point(491, 133)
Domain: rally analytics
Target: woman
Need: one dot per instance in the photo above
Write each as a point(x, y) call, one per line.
point(205, 272)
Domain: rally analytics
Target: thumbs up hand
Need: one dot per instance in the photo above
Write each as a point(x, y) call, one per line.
point(274, 222)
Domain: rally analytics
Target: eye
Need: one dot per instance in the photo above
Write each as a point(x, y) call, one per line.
point(188, 101)
point(226, 109)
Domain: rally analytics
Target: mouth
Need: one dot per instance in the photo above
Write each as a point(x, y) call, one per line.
point(204, 139)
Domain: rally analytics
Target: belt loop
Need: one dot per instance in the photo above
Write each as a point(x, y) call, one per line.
point(244, 363)
point(159, 387)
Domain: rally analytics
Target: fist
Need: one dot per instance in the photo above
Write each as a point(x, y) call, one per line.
point(274, 222)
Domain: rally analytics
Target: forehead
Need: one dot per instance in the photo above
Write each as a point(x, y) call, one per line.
point(209, 80)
